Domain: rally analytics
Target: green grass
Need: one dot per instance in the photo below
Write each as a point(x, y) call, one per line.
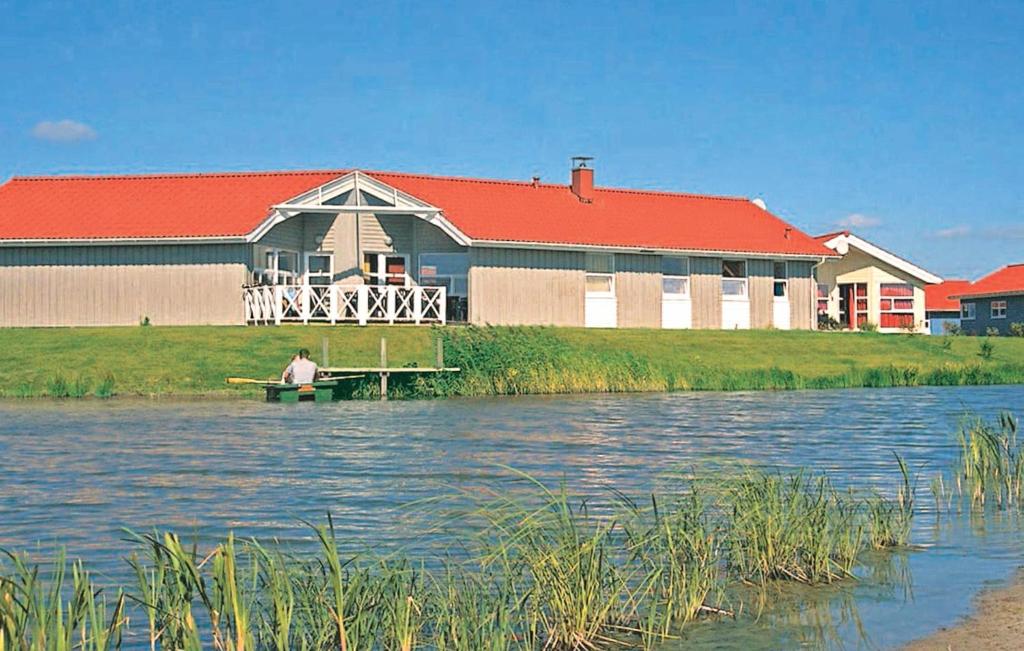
point(189, 361)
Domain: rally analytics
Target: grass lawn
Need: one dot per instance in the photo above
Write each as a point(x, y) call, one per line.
point(195, 360)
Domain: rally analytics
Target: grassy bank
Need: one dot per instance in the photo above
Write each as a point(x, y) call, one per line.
point(191, 361)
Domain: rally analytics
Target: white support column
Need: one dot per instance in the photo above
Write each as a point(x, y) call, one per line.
point(417, 304)
point(304, 302)
point(332, 303)
point(442, 305)
point(390, 299)
point(362, 304)
point(278, 308)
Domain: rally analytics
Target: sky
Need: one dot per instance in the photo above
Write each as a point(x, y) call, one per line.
point(902, 121)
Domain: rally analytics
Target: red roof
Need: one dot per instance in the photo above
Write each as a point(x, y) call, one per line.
point(937, 298)
point(212, 205)
point(1008, 280)
point(167, 205)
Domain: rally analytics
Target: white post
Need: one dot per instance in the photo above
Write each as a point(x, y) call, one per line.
point(362, 304)
point(304, 302)
point(442, 305)
point(278, 308)
point(332, 305)
point(391, 290)
point(417, 304)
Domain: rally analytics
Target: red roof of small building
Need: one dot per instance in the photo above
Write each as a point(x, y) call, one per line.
point(1008, 280)
point(235, 204)
point(938, 298)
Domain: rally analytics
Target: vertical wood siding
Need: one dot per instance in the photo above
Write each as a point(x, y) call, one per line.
point(706, 291)
point(120, 285)
point(638, 290)
point(760, 283)
point(802, 312)
point(286, 235)
point(526, 287)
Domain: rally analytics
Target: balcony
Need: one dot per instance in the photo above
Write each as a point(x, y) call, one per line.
point(362, 304)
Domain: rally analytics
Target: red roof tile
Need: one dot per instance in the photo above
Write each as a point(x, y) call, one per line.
point(168, 205)
point(1008, 280)
point(225, 205)
point(937, 298)
point(521, 212)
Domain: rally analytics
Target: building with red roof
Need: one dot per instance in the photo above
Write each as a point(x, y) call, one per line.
point(942, 309)
point(993, 303)
point(361, 246)
point(868, 284)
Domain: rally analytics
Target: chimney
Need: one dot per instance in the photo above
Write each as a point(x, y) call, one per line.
point(583, 178)
point(535, 182)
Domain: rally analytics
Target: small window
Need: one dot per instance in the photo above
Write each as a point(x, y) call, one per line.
point(734, 278)
point(600, 279)
point(449, 270)
point(822, 298)
point(967, 311)
point(600, 284)
point(675, 277)
point(998, 309)
point(780, 287)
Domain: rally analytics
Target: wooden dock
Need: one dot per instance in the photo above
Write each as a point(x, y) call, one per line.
point(383, 370)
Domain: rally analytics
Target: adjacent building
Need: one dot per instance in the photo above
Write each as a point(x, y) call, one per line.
point(941, 308)
point(994, 302)
point(866, 284)
point(357, 246)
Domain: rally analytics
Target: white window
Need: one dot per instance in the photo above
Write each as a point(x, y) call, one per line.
point(448, 270)
point(998, 309)
point(780, 288)
point(319, 269)
point(734, 278)
point(386, 269)
point(967, 311)
point(281, 267)
point(896, 305)
point(822, 298)
point(675, 277)
point(600, 279)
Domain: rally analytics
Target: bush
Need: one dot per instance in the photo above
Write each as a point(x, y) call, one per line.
point(991, 331)
point(986, 349)
point(1017, 329)
point(826, 322)
point(952, 329)
point(867, 326)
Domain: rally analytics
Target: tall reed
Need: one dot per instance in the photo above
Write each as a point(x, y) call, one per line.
point(991, 461)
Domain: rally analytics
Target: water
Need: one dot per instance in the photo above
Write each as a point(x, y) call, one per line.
point(77, 473)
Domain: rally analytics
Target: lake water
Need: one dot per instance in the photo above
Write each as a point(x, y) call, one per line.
point(76, 474)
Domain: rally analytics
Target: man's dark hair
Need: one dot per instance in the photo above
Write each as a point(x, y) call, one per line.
point(303, 353)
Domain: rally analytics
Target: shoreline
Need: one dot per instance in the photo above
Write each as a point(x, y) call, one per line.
point(995, 624)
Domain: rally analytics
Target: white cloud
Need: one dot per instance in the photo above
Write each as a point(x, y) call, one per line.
point(857, 220)
point(63, 131)
point(954, 232)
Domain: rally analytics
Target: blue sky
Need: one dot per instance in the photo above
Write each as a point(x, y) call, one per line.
point(906, 122)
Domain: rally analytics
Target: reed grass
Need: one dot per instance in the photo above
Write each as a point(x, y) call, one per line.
point(538, 568)
point(991, 463)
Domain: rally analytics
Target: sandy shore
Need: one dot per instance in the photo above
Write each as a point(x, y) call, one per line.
point(998, 623)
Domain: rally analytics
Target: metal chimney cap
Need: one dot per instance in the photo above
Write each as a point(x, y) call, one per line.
point(581, 161)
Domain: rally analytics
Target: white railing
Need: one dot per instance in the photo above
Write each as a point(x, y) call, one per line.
point(360, 304)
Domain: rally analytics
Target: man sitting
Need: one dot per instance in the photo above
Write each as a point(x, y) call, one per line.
point(302, 369)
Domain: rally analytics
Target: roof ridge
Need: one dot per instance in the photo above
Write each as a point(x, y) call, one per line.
point(171, 175)
point(561, 186)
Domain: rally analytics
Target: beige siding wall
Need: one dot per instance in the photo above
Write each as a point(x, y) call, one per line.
point(119, 285)
point(706, 292)
point(859, 267)
point(638, 290)
point(526, 287)
point(760, 281)
point(374, 231)
point(802, 309)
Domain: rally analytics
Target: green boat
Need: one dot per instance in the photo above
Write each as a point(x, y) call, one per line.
point(321, 391)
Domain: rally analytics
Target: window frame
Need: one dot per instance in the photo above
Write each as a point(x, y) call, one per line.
point(307, 274)
point(743, 281)
point(271, 273)
point(381, 275)
point(783, 281)
point(890, 293)
point(609, 276)
point(993, 307)
point(684, 277)
point(973, 310)
point(450, 278)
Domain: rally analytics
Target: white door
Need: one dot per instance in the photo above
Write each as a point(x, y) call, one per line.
point(735, 314)
point(600, 308)
point(780, 313)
